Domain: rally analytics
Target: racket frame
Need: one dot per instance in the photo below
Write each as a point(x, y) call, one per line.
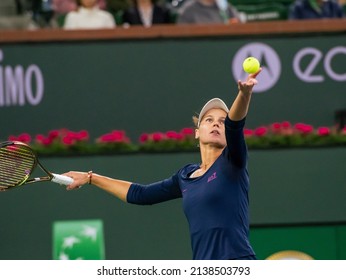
point(27, 179)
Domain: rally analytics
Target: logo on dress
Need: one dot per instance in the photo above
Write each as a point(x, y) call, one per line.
point(212, 177)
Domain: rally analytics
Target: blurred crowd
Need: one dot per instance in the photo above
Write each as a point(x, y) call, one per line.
point(92, 14)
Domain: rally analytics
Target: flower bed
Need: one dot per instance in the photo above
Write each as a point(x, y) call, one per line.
point(276, 135)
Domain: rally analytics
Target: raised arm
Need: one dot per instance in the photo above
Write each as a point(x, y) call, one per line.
point(115, 187)
point(240, 106)
point(126, 191)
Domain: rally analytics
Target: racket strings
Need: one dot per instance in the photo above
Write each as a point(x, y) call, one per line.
point(16, 163)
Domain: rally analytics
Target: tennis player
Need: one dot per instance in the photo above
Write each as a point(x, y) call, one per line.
point(215, 192)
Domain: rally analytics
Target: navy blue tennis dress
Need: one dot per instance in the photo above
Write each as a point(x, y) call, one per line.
point(215, 204)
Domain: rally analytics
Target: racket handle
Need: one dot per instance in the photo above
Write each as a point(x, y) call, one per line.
point(61, 179)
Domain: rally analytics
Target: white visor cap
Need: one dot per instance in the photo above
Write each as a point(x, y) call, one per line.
point(215, 103)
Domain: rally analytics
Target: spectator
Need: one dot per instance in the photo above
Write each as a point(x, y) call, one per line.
point(89, 16)
point(146, 13)
point(315, 9)
point(16, 14)
point(207, 11)
point(43, 13)
point(62, 7)
point(342, 3)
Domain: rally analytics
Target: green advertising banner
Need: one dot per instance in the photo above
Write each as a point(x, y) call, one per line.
point(150, 85)
point(289, 189)
point(78, 240)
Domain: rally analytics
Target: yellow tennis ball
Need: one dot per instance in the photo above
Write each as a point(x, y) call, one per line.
point(251, 65)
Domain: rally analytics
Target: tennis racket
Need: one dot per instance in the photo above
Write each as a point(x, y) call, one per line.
point(18, 161)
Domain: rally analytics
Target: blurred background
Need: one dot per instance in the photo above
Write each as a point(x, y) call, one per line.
point(137, 81)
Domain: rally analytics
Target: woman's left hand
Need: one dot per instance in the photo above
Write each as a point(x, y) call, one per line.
point(247, 86)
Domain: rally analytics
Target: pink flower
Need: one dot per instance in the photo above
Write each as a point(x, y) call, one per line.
point(24, 137)
point(286, 124)
point(83, 135)
point(276, 126)
point(174, 135)
point(343, 131)
point(12, 138)
point(68, 140)
point(286, 128)
point(53, 134)
point(304, 128)
point(248, 132)
point(106, 138)
point(158, 136)
point(144, 137)
point(187, 131)
point(116, 136)
point(41, 139)
point(323, 131)
point(71, 134)
point(180, 136)
point(261, 131)
point(171, 134)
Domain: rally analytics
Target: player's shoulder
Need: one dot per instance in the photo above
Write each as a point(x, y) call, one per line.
point(187, 169)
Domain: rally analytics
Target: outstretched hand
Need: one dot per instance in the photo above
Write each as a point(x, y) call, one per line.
point(79, 179)
point(247, 86)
